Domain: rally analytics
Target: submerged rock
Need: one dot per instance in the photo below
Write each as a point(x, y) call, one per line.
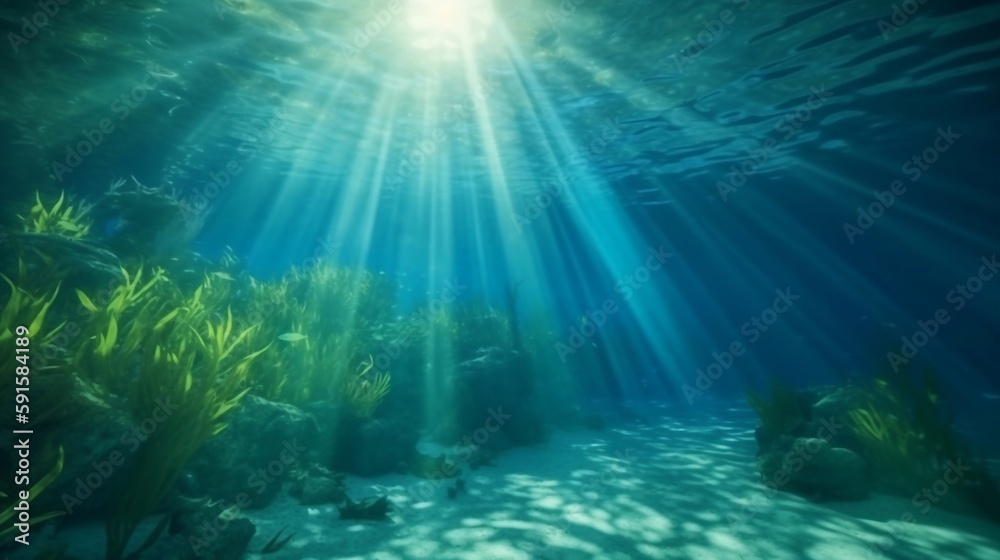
point(372, 509)
point(371, 447)
point(258, 450)
point(97, 437)
point(815, 469)
point(322, 490)
point(203, 531)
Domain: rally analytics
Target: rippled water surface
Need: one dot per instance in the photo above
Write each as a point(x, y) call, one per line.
point(749, 131)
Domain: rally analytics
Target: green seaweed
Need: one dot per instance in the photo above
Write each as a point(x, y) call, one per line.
point(201, 369)
point(68, 221)
point(903, 431)
point(887, 441)
point(781, 413)
point(366, 391)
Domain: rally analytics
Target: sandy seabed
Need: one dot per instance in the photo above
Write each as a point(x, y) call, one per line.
point(661, 483)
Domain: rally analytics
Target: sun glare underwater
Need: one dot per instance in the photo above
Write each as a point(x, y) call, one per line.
point(562, 279)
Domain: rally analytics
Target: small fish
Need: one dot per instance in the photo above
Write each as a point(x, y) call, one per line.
point(223, 275)
point(292, 337)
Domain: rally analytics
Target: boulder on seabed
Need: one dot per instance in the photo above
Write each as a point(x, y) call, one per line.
point(816, 469)
point(263, 442)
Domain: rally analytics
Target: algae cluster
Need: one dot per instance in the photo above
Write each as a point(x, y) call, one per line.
point(892, 434)
point(153, 325)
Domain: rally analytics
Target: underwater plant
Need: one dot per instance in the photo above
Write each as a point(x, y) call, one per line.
point(364, 393)
point(887, 441)
point(902, 430)
point(153, 343)
point(202, 370)
point(29, 312)
point(781, 413)
point(322, 320)
point(477, 325)
point(68, 221)
point(117, 330)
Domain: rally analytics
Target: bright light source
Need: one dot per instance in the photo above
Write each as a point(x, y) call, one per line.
point(448, 22)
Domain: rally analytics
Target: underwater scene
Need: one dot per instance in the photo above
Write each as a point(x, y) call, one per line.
point(500, 280)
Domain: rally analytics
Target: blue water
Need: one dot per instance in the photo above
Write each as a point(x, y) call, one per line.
point(534, 94)
point(561, 145)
